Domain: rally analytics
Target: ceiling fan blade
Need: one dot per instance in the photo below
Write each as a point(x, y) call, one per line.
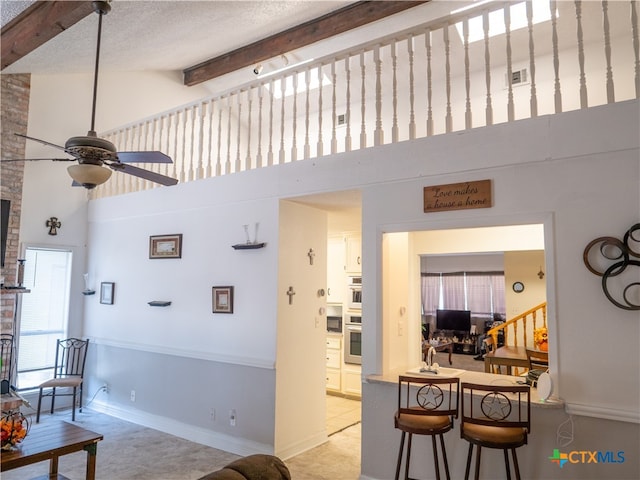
point(38, 160)
point(142, 173)
point(43, 142)
point(144, 157)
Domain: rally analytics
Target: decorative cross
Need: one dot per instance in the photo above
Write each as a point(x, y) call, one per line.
point(53, 225)
point(311, 254)
point(291, 293)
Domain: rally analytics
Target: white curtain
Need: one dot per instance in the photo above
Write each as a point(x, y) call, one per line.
point(453, 292)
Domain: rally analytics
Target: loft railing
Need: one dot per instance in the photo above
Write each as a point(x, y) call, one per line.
point(447, 75)
point(521, 328)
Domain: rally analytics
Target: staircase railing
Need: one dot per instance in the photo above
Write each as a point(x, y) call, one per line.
point(521, 327)
point(492, 63)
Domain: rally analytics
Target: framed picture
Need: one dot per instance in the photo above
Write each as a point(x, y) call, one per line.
point(165, 246)
point(222, 299)
point(107, 290)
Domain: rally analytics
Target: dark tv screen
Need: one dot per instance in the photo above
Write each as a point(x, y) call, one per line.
point(458, 320)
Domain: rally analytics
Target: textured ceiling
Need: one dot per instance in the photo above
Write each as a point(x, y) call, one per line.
point(163, 35)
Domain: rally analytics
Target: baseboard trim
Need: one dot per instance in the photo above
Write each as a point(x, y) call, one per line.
point(606, 413)
point(220, 441)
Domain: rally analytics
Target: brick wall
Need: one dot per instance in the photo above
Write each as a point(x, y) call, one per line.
point(14, 98)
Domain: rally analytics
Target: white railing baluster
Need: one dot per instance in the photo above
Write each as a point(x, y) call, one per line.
point(320, 150)
point(247, 163)
point(378, 137)
point(294, 119)
point(487, 69)
point(176, 121)
point(183, 157)
point(583, 79)
point(259, 152)
point(307, 146)
point(363, 103)
point(427, 44)
point(227, 165)
point(219, 153)
point(533, 102)
point(283, 89)
point(447, 73)
point(334, 113)
point(208, 173)
point(507, 27)
point(238, 165)
point(556, 58)
point(412, 113)
point(607, 51)
point(270, 152)
point(467, 80)
point(394, 93)
point(200, 155)
point(347, 137)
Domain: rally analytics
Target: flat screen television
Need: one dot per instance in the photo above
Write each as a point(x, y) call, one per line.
point(457, 320)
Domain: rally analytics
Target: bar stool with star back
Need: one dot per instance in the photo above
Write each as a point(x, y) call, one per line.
point(71, 354)
point(426, 406)
point(495, 416)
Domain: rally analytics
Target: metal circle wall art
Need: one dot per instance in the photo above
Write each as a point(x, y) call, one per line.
point(613, 261)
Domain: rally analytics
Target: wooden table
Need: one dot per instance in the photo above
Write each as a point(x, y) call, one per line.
point(508, 356)
point(49, 441)
point(441, 347)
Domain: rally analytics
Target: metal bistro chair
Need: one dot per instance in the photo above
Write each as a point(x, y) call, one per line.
point(6, 353)
point(499, 417)
point(71, 354)
point(426, 406)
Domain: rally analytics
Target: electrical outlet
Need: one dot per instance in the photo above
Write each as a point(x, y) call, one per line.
point(105, 388)
point(232, 418)
point(133, 395)
point(212, 415)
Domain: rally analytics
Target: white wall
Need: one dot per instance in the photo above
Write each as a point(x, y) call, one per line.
point(577, 173)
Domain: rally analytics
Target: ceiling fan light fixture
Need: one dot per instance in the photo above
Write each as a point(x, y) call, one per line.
point(89, 176)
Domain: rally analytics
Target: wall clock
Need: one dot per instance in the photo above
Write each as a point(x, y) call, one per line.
point(518, 287)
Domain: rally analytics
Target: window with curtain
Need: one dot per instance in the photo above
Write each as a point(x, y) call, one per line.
point(44, 313)
point(480, 292)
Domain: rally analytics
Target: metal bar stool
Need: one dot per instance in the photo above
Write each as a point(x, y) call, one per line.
point(499, 417)
point(426, 406)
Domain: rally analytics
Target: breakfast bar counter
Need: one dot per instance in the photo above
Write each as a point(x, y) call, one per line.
point(471, 377)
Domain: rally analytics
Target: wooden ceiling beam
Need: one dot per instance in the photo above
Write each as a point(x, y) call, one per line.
point(36, 25)
point(334, 23)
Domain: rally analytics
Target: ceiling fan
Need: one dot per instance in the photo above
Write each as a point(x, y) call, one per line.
point(93, 153)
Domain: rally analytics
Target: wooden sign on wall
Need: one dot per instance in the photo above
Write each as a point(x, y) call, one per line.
point(458, 196)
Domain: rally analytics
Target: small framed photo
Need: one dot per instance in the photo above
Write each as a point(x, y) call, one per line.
point(165, 246)
point(107, 290)
point(222, 299)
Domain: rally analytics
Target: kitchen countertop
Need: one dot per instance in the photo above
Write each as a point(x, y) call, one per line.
point(467, 376)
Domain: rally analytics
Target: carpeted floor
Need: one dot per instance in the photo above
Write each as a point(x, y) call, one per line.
point(133, 452)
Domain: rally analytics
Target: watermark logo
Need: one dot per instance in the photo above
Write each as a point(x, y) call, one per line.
point(586, 456)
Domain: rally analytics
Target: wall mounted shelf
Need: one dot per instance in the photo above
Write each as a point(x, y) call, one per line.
point(159, 303)
point(248, 246)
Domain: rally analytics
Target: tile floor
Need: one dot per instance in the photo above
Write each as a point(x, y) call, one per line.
point(341, 413)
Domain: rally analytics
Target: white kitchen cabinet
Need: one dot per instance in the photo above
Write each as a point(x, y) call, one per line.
point(334, 363)
point(354, 253)
point(336, 281)
point(352, 381)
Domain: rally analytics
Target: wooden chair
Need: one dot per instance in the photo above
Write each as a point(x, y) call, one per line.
point(68, 373)
point(426, 406)
point(538, 360)
point(6, 353)
point(495, 416)
point(490, 347)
